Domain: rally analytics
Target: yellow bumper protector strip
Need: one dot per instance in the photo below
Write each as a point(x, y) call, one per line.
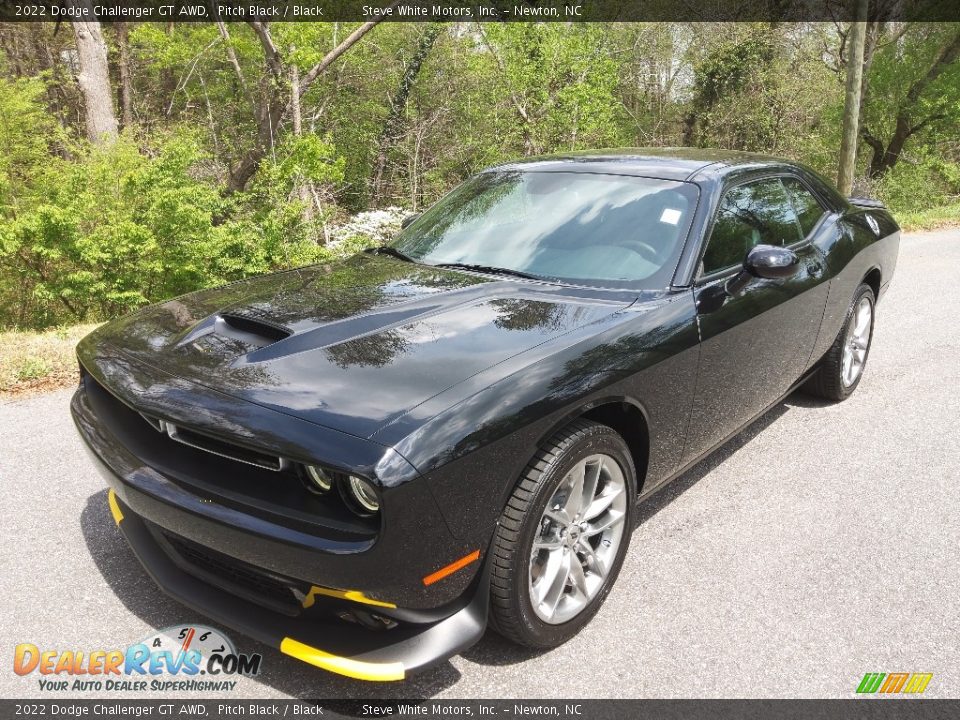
point(341, 665)
point(114, 507)
point(353, 595)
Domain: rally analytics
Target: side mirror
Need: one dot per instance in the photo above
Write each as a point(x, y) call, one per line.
point(771, 262)
point(763, 261)
point(408, 219)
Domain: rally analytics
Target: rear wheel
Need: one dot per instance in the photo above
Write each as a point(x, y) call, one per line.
point(562, 536)
point(842, 367)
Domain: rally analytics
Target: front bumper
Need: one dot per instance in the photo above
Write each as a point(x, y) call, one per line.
point(155, 514)
point(336, 647)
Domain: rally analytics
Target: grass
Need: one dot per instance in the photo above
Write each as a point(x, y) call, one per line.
point(38, 361)
point(931, 219)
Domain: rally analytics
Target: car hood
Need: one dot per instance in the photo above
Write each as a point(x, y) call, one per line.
point(351, 345)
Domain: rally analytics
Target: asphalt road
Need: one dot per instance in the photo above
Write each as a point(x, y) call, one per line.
point(821, 543)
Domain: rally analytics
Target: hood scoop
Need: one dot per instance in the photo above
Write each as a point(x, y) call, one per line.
point(241, 332)
point(256, 331)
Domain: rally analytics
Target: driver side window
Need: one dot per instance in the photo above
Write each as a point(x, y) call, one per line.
point(757, 213)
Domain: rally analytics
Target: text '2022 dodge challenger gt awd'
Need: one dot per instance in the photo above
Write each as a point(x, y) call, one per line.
point(363, 462)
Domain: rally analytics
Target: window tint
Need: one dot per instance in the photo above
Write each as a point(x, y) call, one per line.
point(757, 213)
point(807, 207)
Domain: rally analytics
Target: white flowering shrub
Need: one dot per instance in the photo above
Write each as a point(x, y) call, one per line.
point(374, 227)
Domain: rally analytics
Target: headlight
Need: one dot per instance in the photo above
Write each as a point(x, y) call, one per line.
point(318, 479)
point(360, 495)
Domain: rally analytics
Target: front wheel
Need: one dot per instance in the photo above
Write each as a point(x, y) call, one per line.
point(562, 536)
point(842, 367)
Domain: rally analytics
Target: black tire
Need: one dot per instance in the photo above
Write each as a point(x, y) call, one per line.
point(828, 381)
point(511, 611)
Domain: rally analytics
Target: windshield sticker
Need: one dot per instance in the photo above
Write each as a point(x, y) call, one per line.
point(670, 216)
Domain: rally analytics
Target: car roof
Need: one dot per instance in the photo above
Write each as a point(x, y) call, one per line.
point(675, 163)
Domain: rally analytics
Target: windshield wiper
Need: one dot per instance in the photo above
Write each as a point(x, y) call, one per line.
point(391, 251)
point(491, 269)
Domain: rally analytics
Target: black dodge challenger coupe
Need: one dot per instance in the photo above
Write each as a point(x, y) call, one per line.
point(362, 463)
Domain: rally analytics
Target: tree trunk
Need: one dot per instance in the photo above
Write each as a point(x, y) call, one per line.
point(269, 108)
point(231, 53)
point(269, 115)
point(295, 100)
point(392, 125)
point(689, 129)
point(851, 110)
point(94, 80)
point(303, 189)
point(885, 160)
point(126, 78)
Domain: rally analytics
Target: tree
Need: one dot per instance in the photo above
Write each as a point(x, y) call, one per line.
point(274, 102)
point(314, 122)
point(851, 111)
point(914, 87)
point(730, 67)
point(126, 76)
point(651, 57)
point(398, 104)
point(557, 82)
point(94, 78)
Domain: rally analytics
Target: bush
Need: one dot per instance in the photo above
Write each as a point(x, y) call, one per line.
point(919, 183)
point(114, 228)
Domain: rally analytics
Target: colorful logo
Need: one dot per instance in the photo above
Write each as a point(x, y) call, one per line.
point(910, 683)
point(183, 652)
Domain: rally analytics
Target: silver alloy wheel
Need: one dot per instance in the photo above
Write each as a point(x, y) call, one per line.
point(857, 342)
point(578, 538)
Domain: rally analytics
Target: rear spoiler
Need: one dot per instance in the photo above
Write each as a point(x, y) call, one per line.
point(866, 203)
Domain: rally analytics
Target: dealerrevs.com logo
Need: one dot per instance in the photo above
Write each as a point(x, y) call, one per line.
point(185, 658)
point(894, 683)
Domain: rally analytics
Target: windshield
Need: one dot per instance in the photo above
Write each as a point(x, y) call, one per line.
point(611, 230)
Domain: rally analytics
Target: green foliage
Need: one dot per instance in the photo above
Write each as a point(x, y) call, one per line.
point(30, 135)
point(930, 218)
point(897, 68)
point(730, 66)
point(921, 182)
point(89, 233)
point(755, 92)
point(116, 228)
point(563, 78)
point(32, 368)
point(297, 160)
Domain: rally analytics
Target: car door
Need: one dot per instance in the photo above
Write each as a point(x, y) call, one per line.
point(755, 341)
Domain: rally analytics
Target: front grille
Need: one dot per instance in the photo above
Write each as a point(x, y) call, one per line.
point(234, 575)
point(216, 447)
